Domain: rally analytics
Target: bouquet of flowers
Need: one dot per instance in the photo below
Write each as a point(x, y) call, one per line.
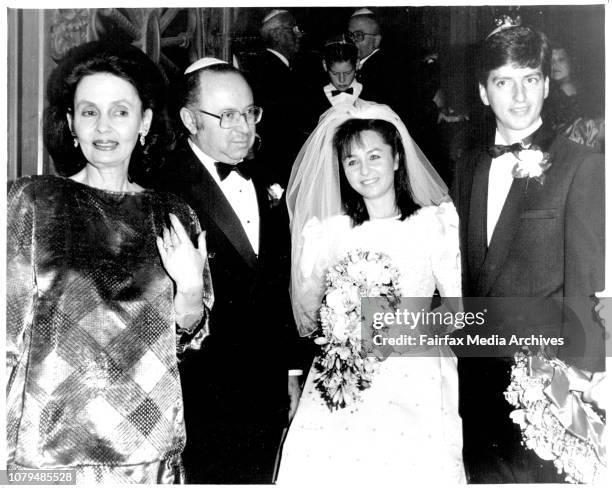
point(345, 368)
point(554, 420)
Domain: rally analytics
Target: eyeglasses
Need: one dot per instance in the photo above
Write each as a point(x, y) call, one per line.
point(358, 36)
point(295, 29)
point(231, 119)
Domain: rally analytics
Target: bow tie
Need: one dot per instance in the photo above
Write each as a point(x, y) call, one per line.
point(224, 170)
point(334, 92)
point(499, 150)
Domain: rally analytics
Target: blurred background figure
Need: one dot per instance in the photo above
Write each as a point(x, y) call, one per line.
point(280, 91)
point(340, 65)
point(571, 108)
point(378, 73)
point(104, 284)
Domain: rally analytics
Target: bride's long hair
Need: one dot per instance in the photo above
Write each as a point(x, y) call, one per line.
point(348, 134)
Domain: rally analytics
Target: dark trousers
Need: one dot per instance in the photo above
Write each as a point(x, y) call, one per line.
point(232, 453)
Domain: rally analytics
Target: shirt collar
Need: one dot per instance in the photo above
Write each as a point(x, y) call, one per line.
point(280, 56)
point(329, 87)
point(363, 60)
point(207, 161)
point(500, 140)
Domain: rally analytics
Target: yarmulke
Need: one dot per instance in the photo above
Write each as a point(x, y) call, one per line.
point(364, 11)
point(273, 14)
point(203, 63)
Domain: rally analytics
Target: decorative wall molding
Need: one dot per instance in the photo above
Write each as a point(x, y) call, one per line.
point(69, 28)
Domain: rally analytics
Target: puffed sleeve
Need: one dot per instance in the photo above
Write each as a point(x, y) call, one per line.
point(445, 259)
point(309, 266)
point(191, 331)
point(20, 278)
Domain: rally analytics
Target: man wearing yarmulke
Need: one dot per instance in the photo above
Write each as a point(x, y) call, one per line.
point(531, 210)
point(239, 391)
point(281, 90)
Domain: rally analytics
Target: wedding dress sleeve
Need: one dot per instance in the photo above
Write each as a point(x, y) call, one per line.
point(445, 259)
point(314, 257)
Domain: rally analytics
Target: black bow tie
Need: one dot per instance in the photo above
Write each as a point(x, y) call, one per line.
point(499, 150)
point(334, 92)
point(224, 170)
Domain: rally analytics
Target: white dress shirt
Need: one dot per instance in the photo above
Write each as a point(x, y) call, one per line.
point(240, 193)
point(500, 178)
point(361, 62)
point(343, 97)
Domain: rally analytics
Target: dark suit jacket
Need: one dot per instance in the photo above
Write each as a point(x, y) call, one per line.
point(281, 92)
point(548, 242)
point(240, 374)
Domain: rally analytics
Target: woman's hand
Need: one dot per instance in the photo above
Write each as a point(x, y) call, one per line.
point(183, 262)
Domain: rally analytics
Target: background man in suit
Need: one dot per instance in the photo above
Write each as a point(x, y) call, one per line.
point(523, 238)
point(280, 90)
point(386, 79)
point(236, 388)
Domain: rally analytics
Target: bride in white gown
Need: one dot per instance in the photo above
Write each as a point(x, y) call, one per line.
point(383, 196)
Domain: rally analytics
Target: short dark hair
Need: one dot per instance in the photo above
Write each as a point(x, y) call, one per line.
point(519, 45)
point(349, 132)
point(339, 52)
point(126, 62)
point(187, 91)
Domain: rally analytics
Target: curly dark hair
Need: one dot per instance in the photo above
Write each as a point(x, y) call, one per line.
point(520, 45)
point(350, 132)
point(126, 62)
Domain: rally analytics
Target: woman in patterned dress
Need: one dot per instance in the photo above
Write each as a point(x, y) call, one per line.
point(107, 282)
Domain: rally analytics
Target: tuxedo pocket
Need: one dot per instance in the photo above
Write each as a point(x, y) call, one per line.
point(533, 214)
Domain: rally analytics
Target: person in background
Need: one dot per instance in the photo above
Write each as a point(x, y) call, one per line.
point(375, 70)
point(281, 92)
point(340, 65)
point(568, 108)
point(105, 285)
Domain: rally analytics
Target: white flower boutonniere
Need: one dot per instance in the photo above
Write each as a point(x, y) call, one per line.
point(275, 193)
point(532, 163)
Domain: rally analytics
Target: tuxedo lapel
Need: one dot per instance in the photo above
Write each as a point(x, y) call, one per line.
point(263, 201)
point(215, 205)
point(509, 219)
point(477, 218)
point(503, 235)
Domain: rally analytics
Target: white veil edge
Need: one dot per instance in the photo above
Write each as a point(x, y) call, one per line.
point(314, 192)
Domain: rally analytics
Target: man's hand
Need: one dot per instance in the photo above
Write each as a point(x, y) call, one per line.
point(294, 392)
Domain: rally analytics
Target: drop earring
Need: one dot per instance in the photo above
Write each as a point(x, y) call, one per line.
point(75, 141)
point(142, 138)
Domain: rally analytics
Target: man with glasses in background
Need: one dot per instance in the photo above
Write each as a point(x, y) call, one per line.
point(238, 392)
point(382, 76)
point(280, 90)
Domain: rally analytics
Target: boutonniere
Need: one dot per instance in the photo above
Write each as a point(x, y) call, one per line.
point(275, 193)
point(532, 163)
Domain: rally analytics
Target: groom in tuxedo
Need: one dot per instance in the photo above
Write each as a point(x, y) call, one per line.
point(524, 237)
point(239, 390)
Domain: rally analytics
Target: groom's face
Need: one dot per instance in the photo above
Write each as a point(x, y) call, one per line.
point(516, 95)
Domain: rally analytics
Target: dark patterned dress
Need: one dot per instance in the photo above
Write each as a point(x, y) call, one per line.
point(92, 342)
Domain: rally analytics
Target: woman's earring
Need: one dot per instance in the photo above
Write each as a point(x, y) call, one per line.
point(75, 142)
point(142, 138)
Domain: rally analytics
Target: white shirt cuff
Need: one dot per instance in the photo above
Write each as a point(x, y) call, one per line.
point(295, 372)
